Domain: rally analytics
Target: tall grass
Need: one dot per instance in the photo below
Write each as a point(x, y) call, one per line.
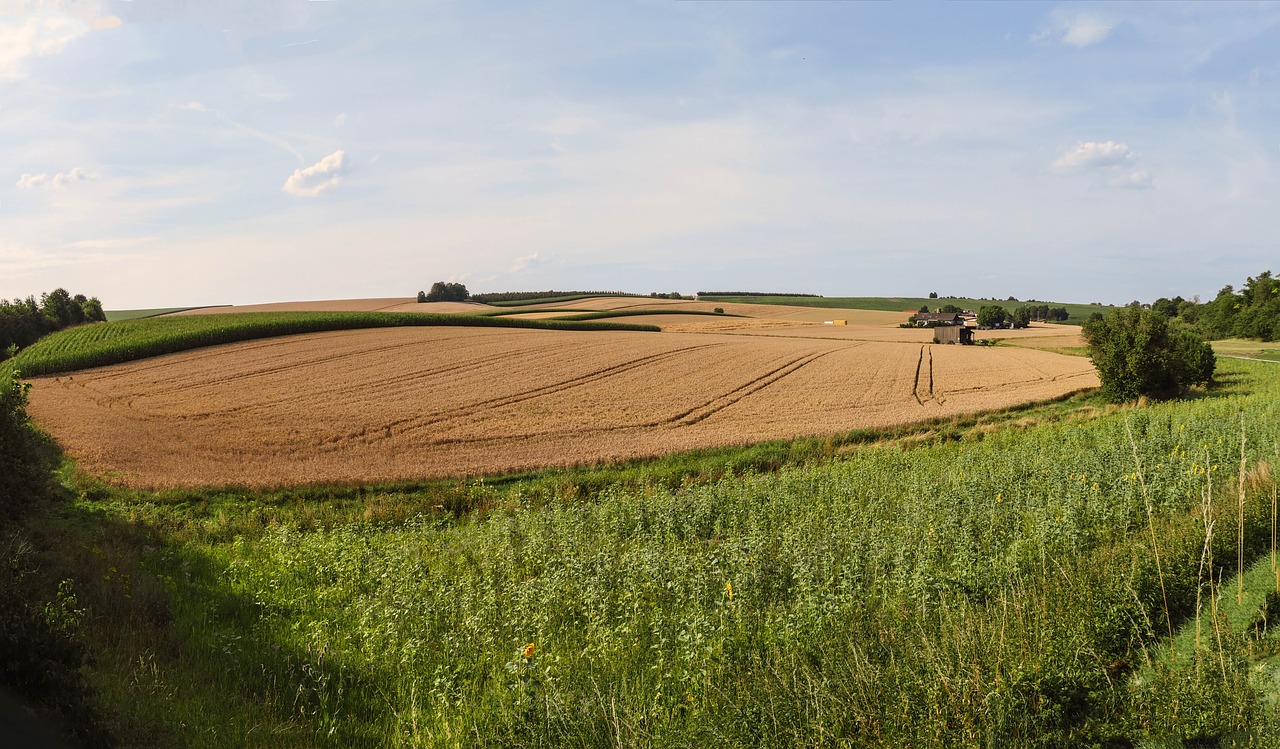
point(993, 591)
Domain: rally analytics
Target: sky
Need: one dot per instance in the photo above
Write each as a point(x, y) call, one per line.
point(158, 153)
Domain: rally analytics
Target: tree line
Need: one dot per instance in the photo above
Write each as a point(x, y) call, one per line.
point(24, 321)
point(1251, 312)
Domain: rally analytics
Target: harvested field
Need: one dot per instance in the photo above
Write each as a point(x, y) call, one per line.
point(410, 403)
point(386, 304)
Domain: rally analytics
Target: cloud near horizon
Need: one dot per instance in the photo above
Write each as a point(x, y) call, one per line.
point(318, 178)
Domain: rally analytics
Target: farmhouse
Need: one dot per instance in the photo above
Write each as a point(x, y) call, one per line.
point(934, 319)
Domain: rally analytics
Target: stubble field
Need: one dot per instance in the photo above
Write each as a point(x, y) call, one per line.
point(394, 404)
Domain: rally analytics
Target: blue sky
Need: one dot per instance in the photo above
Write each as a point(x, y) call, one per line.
point(174, 152)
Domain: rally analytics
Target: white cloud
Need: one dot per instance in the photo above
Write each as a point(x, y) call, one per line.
point(320, 177)
point(1086, 30)
point(34, 181)
point(17, 258)
point(340, 120)
point(1110, 162)
point(525, 263)
point(1078, 31)
point(37, 36)
point(1093, 155)
point(1139, 180)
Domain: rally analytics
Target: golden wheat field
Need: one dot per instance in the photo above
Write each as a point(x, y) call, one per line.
point(409, 403)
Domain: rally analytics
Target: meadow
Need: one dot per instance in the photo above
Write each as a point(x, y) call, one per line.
point(1017, 585)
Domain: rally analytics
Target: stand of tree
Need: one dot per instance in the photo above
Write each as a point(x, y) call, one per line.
point(1252, 312)
point(753, 293)
point(520, 296)
point(442, 291)
point(24, 321)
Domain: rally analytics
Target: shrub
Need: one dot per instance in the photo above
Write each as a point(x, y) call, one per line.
point(21, 467)
point(1139, 352)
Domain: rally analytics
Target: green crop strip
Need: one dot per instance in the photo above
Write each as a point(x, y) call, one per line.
point(128, 340)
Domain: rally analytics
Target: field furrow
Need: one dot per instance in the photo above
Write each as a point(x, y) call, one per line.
point(412, 403)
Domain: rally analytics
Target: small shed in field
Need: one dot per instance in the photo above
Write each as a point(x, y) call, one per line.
point(953, 334)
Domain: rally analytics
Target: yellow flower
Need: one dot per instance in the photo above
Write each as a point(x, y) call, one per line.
point(528, 650)
point(728, 590)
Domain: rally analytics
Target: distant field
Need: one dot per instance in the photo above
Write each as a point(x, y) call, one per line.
point(1079, 312)
point(393, 404)
point(137, 314)
point(1248, 349)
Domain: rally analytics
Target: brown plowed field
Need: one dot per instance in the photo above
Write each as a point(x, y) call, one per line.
point(408, 403)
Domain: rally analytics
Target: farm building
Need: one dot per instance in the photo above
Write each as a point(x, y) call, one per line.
point(934, 319)
point(953, 334)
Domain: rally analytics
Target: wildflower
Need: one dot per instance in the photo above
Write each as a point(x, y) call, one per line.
point(999, 496)
point(528, 651)
point(728, 590)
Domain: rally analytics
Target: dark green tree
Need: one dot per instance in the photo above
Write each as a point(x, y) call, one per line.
point(1139, 352)
point(991, 316)
point(442, 291)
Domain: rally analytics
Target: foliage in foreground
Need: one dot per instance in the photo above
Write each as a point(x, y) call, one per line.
point(41, 654)
point(127, 340)
point(1139, 352)
point(998, 591)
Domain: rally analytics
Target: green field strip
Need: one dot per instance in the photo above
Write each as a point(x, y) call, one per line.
point(116, 342)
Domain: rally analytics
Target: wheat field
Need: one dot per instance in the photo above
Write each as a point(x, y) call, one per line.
point(414, 403)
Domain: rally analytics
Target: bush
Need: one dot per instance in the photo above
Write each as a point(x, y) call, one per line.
point(1140, 352)
point(21, 467)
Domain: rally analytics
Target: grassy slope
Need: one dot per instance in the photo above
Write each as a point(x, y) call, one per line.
point(114, 342)
point(1079, 312)
point(993, 586)
point(1249, 349)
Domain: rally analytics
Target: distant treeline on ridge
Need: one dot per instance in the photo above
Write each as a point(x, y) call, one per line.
point(25, 321)
point(751, 293)
point(519, 296)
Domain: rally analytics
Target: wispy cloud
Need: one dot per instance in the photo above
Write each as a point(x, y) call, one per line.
point(38, 36)
point(1139, 180)
point(63, 179)
point(1086, 30)
point(1076, 31)
point(1092, 155)
point(318, 178)
point(1110, 163)
point(525, 263)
